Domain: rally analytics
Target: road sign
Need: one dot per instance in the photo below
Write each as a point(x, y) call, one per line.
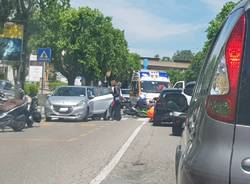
point(35, 73)
point(44, 54)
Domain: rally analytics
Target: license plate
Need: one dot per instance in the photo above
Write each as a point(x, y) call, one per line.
point(63, 109)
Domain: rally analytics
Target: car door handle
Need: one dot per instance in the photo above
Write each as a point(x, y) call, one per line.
point(245, 164)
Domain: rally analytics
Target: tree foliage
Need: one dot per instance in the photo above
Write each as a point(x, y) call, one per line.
point(183, 56)
point(90, 44)
point(175, 75)
point(214, 26)
point(22, 12)
point(166, 58)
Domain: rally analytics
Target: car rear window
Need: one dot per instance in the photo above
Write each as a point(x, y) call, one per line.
point(166, 92)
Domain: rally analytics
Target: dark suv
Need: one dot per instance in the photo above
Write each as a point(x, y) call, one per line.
point(215, 142)
point(161, 112)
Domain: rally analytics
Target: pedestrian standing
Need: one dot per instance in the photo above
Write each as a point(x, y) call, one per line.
point(116, 107)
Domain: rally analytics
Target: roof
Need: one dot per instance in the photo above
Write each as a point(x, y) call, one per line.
point(153, 64)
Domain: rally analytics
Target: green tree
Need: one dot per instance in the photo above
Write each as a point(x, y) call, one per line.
point(22, 12)
point(6, 8)
point(166, 58)
point(183, 56)
point(157, 56)
point(88, 41)
point(127, 68)
point(214, 26)
point(175, 75)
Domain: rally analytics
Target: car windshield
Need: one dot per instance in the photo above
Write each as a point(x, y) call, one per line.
point(166, 92)
point(153, 86)
point(70, 91)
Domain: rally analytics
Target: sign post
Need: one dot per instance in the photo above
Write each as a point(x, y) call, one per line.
point(43, 55)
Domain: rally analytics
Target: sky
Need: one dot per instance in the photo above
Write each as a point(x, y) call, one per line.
point(159, 26)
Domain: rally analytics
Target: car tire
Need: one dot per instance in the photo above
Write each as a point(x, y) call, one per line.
point(96, 118)
point(106, 116)
point(156, 121)
point(176, 129)
point(85, 119)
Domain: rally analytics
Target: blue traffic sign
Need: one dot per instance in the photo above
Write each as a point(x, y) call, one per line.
point(44, 54)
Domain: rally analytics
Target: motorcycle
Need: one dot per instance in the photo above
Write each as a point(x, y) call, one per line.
point(13, 112)
point(33, 115)
point(139, 110)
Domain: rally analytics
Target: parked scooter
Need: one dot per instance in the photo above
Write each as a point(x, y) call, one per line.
point(13, 112)
point(33, 115)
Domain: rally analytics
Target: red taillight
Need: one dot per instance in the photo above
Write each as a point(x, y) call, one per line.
point(222, 106)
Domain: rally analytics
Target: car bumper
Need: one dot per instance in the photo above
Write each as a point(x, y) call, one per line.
point(74, 113)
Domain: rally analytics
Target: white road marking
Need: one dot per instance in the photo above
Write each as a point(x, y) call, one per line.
point(111, 165)
point(143, 119)
point(124, 119)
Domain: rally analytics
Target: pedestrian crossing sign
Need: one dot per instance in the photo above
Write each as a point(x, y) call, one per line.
point(44, 54)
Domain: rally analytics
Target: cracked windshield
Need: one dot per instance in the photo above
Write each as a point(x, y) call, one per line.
point(124, 91)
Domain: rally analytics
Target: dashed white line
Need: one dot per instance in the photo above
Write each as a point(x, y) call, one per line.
point(111, 165)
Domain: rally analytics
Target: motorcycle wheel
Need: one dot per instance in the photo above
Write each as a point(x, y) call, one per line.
point(19, 123)
point(29, 123)
point(37, 117)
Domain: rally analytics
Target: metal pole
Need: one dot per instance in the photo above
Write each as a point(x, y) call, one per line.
point(43, 77)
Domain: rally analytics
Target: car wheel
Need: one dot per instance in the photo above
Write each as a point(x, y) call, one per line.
point(176, 129)
point(106, 116)
point(156, 121)
point(87, 116)
point(96, 118)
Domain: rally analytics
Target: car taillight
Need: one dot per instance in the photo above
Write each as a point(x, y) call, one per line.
point(222, 101)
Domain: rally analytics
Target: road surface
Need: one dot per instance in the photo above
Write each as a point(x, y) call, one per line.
point(131, 151)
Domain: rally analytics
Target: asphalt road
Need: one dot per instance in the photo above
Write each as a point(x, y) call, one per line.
point(125, 152)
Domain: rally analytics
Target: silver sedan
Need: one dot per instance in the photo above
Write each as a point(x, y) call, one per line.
point(67, 102)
